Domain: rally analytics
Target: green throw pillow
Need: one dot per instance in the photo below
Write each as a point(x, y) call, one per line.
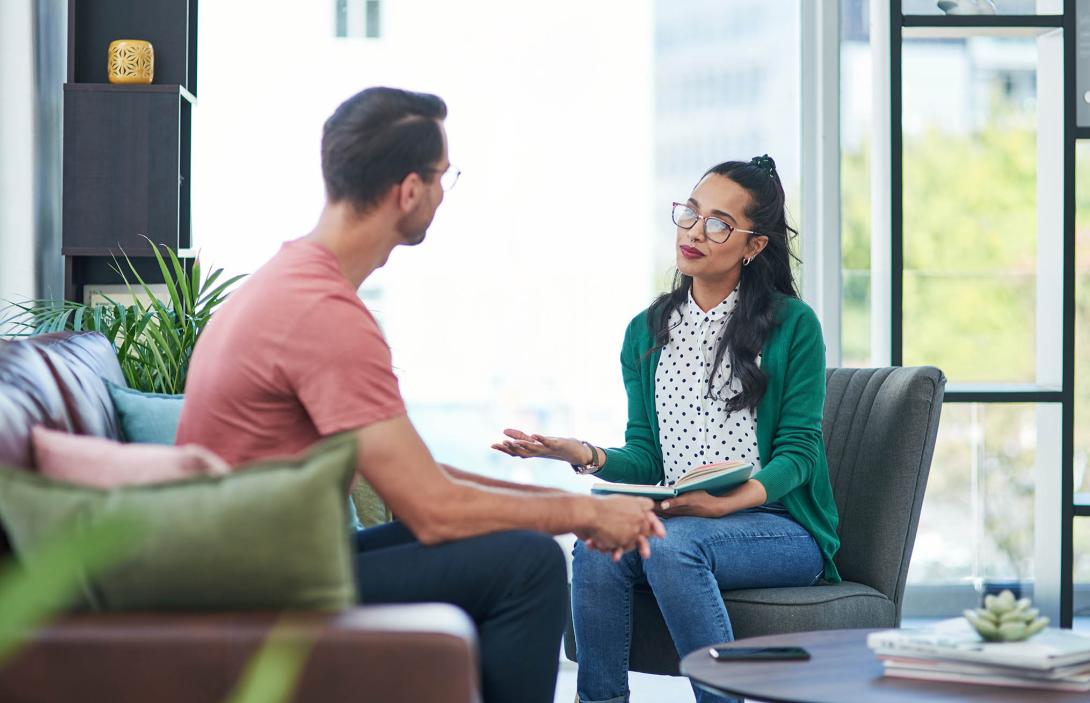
point(149, 418)
point(269, 536)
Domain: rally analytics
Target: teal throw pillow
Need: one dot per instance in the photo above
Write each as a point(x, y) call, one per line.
point(149, 418)
point(268, 536)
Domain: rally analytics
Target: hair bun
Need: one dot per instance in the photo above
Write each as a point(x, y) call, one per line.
point(764, 162)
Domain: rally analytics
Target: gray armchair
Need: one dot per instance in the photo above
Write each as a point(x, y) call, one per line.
point(880, 427)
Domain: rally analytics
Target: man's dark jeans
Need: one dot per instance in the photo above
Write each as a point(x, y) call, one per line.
point(513, 585)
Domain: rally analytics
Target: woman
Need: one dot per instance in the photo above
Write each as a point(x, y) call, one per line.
point(730, 364)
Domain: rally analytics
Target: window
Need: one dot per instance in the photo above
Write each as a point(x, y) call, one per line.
point(856, 118)
point(512, 312)
point(358, 18)
point(975, 301)
point(1082, 347)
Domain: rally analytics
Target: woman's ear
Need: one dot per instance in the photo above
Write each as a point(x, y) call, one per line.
point(756, 245)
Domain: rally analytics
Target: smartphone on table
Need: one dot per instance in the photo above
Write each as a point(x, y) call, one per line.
point(725, 653)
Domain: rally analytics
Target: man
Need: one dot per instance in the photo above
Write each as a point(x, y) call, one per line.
point(294, 356)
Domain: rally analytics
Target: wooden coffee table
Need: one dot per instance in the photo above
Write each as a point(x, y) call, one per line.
point(841, 668)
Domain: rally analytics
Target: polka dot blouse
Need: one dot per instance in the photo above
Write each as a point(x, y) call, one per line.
point(695, 429)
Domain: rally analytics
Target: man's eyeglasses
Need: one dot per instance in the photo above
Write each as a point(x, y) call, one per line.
point(449, 177)
point(714, 229)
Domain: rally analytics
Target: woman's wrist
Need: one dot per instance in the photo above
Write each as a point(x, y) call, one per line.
point(725, 505)
point(749, 495)
point(584, 457)
point(574, 452)
point(592, 457)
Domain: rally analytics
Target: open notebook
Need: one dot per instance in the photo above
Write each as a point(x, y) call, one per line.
point(716, 479)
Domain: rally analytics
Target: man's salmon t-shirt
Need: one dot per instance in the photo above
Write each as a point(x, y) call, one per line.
point(291, 357)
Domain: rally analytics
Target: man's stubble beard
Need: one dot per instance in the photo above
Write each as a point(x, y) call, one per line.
point(413, 228)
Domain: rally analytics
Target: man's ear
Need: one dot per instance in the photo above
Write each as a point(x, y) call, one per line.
point(409, 192)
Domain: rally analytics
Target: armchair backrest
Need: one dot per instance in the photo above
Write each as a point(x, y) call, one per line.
point(880, 427)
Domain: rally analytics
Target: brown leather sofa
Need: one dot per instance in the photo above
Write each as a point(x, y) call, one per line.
point(411, 653)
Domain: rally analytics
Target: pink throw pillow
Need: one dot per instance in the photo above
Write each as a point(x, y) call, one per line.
point(104, 463)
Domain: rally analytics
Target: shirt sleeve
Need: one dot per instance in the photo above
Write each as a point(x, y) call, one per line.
point(340, 368)
point(796, 445)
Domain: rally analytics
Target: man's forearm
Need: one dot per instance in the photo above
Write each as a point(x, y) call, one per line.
point(438, 507)
point(473, 509)
point(479, 480)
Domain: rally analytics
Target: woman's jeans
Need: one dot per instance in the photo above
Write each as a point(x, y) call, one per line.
point(756, 548)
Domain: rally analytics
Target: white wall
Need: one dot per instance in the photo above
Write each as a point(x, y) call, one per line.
point(16, 149)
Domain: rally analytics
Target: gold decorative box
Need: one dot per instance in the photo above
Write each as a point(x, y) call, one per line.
point(131, 61)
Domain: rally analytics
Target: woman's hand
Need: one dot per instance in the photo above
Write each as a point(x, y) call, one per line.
point(703, 504)
point(695, 504)
point(526, 446)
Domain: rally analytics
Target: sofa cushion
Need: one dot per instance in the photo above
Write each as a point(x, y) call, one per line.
point(267, 536)
point(105, 463)
point(148, 418)
point(81, 364)
point(55, 380)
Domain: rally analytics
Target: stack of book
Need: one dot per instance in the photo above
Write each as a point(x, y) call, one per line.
point(951, 650)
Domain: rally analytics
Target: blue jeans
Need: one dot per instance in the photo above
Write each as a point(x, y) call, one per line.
point(756, 548)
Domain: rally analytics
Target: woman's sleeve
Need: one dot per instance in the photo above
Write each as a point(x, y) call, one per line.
point(796, 445)
point(638, 460)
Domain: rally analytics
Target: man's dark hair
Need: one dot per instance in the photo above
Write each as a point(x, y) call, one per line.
point(375, 139)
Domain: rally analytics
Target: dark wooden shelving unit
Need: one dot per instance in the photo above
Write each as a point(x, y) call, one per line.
point(127, 148)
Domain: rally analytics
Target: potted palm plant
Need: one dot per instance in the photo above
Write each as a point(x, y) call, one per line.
point(153, 338)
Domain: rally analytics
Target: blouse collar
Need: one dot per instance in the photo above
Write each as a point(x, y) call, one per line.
point(719, 313)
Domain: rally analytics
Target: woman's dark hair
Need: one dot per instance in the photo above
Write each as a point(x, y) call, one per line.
point(766, 278)
point(376, 138)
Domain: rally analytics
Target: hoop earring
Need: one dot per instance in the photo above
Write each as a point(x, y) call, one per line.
point(746, 260)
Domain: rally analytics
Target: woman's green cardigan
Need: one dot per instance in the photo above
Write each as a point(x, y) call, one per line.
point(794, 470)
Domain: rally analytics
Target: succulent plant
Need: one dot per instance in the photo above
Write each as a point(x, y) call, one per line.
point(1004, 619)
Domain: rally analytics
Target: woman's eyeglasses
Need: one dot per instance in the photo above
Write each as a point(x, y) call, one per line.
point(714, 229)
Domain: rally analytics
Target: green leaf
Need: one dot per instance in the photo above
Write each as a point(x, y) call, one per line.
point(195, 279)
point(162, 363)
point(168, 280)
point(273, 673)
point(133, 329)
point(219, 289)
point(187, 299)
point(29, 596)
point(207, 283)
